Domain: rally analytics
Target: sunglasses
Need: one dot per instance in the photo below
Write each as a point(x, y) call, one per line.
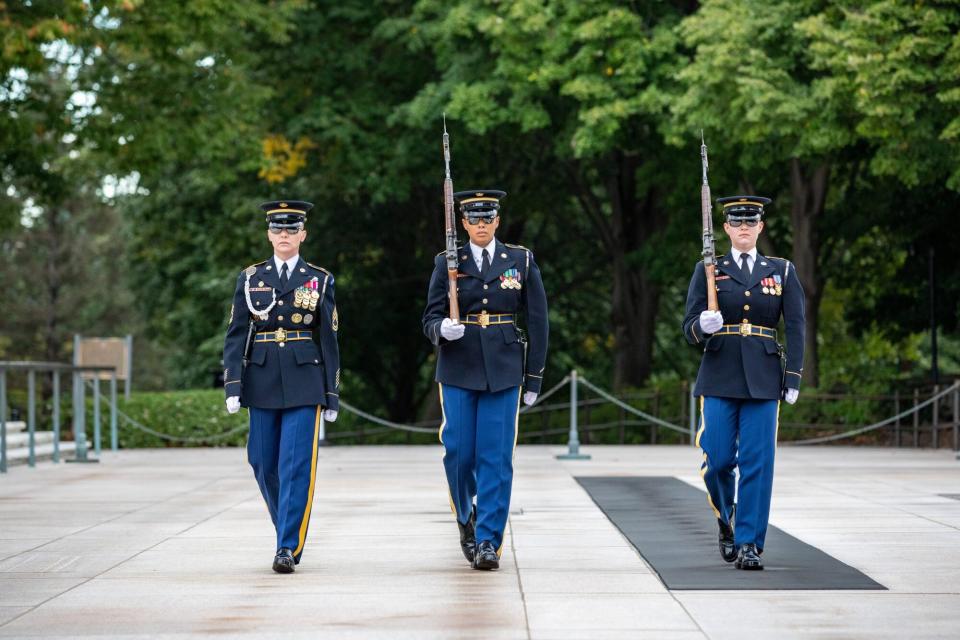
point(750, 222)
point(487, 219)
point(276, 228)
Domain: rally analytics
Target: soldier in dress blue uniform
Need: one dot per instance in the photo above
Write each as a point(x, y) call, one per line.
point(741, 380)
point(481, 370)
point(283, 364)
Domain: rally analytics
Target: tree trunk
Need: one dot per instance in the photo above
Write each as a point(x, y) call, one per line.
point(808, 190)
point(635, 297)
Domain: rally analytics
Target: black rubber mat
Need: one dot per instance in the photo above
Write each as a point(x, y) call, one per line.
point(671, 525)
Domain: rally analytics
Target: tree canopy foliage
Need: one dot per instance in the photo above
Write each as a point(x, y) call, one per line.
point(137, 138)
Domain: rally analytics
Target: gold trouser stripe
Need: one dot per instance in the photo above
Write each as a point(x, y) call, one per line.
point(706, 463)
point(516, 433)
point(313, 481)
point(443, 424)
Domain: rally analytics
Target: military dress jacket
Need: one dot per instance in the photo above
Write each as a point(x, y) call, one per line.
point(736, 365)
point(288, 373)
point(491, 357)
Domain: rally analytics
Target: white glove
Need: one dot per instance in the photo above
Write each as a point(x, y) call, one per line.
point(529, 397)
point(711, 321)
point(330, 415)
point(451, 330)
point(233, 404)
point(791, 395)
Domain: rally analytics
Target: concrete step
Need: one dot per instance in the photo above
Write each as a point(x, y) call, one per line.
point(22, 438)
point(43, 452)
point(16, 426)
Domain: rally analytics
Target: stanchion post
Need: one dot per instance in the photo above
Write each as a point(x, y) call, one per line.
point(3, 421)
point(32, 418)
point(79, 420)
point(573, 442)
point(56, 416)
point(935, 427)
point(114, 438)
point(96, 414)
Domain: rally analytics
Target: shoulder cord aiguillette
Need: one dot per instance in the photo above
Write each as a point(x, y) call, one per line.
point(258, 314)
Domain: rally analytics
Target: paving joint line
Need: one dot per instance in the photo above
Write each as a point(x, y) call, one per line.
point(523, 595)
point(125, 560)
point(109, 520)
point(639, 555)
point(885, 505)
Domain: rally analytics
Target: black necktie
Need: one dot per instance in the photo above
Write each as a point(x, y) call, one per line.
point(283, 276)
point(744, 267)
point(485, 266)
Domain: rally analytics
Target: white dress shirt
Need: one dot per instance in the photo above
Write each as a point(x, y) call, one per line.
point(751, 257)
point(477, 252)
point(291, 264)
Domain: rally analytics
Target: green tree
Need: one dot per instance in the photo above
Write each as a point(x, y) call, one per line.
point(751, 74)
point(900, 63)
point(584, 82)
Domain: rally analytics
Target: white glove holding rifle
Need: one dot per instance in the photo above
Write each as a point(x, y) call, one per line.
point(711, 321)
point(451, 330)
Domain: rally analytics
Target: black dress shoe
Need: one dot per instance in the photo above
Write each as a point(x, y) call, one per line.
point(468, 536)
point(486, 557)
point(283, 562)
point(748, 559)
point(728, 550)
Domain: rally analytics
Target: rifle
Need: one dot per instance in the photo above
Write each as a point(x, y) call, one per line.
point(706, 212)
point(451, 228)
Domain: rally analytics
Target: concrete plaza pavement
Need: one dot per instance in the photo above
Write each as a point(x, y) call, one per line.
point(177, 543)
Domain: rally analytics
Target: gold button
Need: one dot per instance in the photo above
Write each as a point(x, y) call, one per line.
point(484, 301)
point(280, 302)
point(280, 318)
point(746, 307)
point(746, 293)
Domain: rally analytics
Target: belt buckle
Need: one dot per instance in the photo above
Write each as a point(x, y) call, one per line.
point(484, 319)
point(281, 336)
point(746, 329)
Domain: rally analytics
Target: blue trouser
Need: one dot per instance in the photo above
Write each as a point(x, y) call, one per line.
point(479, 434)
point(736, 432)
point(282, 449)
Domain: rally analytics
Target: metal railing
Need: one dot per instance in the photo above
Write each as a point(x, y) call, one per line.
point(686, 424)
point(629, 416)
point(56, 370)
